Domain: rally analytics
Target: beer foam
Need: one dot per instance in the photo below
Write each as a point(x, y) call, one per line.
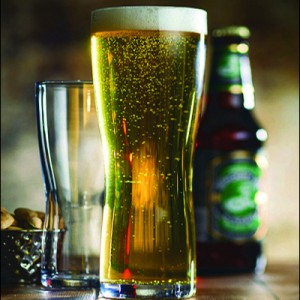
point(149, 18)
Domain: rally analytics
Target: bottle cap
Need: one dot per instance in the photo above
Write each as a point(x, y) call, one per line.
point(231, 31)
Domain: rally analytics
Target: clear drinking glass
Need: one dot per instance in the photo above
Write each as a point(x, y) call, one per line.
point(73, 174)
point(148, 66)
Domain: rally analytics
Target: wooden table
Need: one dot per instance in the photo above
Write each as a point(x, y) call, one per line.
point(278, 282)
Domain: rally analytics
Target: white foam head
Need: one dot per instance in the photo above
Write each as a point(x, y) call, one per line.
point(150, 18)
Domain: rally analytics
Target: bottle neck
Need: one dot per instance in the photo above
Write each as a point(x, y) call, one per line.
point(231, 79)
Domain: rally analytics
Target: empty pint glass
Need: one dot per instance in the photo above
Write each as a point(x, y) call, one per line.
point(148, 64)
point(73, 173)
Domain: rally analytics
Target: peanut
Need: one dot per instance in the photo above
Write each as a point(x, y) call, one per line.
point(24, 218)
point(6, 220)
point(35, 222)
point(24, 214)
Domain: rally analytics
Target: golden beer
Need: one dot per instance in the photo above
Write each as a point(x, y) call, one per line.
point(148, 85)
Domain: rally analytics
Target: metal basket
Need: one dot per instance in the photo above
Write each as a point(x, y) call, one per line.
point(21, 256)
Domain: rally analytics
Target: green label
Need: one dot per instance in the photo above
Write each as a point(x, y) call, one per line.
point(233, 207)
point(229, 66)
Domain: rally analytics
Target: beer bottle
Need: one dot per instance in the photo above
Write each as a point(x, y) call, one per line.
point(228, 167)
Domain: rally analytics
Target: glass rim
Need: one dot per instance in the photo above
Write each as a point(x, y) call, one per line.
point(64, 82)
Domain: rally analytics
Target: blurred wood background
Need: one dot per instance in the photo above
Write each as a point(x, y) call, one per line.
point(50, 40)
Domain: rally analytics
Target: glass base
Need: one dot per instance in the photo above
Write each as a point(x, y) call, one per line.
point(70, 281)
point(141, 291)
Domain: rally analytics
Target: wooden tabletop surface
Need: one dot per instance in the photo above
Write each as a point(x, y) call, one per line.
point(278, 282)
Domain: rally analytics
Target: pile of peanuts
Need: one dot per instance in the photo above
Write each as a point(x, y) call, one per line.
point(22, 218)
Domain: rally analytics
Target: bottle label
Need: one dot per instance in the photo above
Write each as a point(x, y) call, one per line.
point(232, 71)
point(234, 199)
point(229, 66)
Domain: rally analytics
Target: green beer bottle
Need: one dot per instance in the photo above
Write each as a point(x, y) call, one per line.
point(229, 195)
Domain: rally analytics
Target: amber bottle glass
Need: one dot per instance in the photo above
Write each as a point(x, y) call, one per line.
point(229, 164)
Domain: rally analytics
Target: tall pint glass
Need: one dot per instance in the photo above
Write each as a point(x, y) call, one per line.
point(148, 65)
point(73, 173)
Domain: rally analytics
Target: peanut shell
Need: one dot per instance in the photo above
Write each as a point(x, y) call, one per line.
point(6, 220)
point(35, 222)
point(24, 214)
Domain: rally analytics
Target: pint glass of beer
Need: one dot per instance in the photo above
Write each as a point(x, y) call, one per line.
point(148, 65)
